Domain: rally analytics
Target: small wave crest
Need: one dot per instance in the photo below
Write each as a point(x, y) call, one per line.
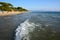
point(33, 31)
point(22, 32)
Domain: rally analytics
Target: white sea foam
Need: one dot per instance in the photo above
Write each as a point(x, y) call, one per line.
point(40, 25)
point(22, 32)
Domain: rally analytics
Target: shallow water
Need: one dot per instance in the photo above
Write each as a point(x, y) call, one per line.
point(40, 26)
point(31, 26)
point(8, 24)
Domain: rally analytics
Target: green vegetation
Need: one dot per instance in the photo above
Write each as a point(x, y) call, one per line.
point(9, 7)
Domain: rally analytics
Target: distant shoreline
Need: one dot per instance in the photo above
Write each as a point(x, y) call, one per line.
point(5, 13)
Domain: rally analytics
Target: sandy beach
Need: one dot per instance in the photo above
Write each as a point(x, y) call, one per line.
point(10, 13)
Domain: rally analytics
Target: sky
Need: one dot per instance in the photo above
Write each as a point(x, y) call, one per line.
point(49, 5)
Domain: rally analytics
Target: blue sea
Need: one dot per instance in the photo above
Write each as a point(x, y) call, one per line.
point(33, 25)
point(39, 26)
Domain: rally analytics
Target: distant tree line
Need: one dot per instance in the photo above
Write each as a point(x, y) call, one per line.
point(9, 7)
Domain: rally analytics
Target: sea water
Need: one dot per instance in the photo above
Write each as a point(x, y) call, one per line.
point(39, 26)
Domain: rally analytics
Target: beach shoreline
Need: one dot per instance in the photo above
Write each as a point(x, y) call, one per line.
point(11, 13)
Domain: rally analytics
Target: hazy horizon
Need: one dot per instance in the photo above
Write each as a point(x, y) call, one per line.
point(42, 5)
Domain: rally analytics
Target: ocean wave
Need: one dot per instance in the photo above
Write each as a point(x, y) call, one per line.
point(27, 28)
point(39, 27)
